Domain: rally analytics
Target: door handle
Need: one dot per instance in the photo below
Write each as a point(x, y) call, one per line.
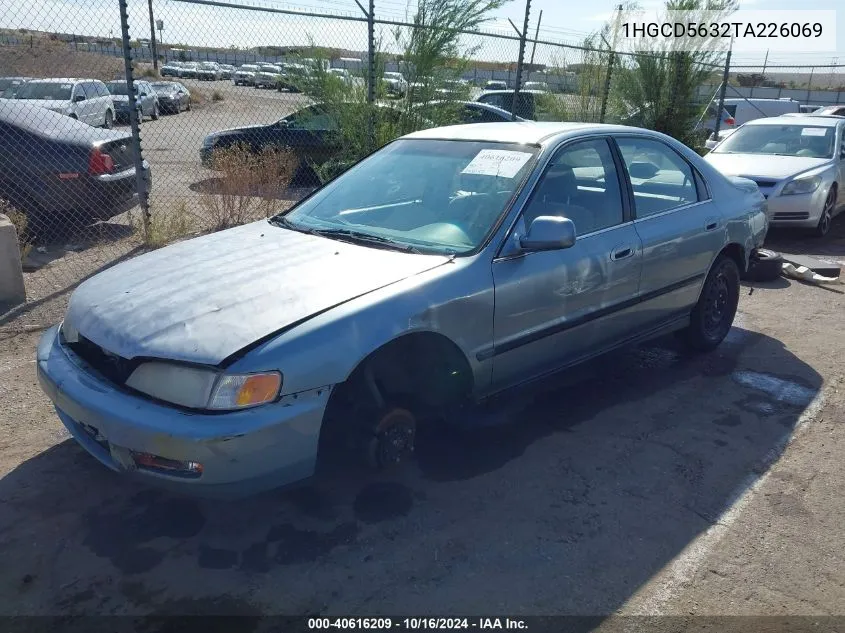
point(622, 252)
point(711, 224)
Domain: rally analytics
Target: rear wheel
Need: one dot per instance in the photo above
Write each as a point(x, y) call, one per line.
point(826, 219)
point(713, 315)
point(155, 112)
point(109, 120)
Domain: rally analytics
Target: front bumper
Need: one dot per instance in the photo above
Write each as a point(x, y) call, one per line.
point(802, 210)
point(241, 453)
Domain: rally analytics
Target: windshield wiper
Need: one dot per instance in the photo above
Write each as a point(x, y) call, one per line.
point(347, 235)
point(366, 238)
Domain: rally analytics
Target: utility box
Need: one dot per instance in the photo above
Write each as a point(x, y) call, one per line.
point(12, 291)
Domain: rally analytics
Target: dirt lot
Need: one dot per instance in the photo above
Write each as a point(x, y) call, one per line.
point(648, 483)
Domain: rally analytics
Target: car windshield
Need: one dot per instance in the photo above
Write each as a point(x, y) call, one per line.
point(208, 66)
point(45, 90)
point(164, 88)
point(780, 140)
point(423, 195)
point(117, 88)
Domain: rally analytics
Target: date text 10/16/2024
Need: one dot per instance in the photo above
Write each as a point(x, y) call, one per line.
point(417, 624)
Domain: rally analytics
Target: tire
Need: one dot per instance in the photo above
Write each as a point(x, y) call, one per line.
point(188, 107)
point(155, 112)
point(713, 315)
point(823, 227)
point(764, 265)
point(109, 120)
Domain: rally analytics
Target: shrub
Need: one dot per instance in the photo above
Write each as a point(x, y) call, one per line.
point(19, 220)
point(250, 187)
point(217, 96)
point(170, 226)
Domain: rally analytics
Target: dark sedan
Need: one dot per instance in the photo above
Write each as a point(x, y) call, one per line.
point(312, 133)
point(173, 97)
point(57, 169)
point(439, 113)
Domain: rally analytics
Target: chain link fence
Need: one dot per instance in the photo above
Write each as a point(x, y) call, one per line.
point(195, 115)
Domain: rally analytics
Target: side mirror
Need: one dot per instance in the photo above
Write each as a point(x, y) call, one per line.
point(78, 98)
point(548, 233)
point(842, 152)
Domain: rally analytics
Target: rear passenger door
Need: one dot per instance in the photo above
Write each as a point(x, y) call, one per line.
point(681, 229)
point(556, 307)
point(93, 104)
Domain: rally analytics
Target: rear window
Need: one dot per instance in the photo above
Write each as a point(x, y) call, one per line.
point(731, 109)
point(45, 90)
point(117, 88)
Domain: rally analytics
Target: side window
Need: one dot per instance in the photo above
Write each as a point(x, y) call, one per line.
point(660, 178)
point(580, 183)
point(497, 100)
point(101, 89)
point(78, 91)
point(313, 120)
point(90, 90)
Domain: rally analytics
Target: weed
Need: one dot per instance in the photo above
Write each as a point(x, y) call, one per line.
point(170, 226)
point(250, 187)
point(216, 96)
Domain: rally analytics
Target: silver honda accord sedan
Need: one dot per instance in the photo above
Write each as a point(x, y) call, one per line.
point(451, 265)
point(797, 161)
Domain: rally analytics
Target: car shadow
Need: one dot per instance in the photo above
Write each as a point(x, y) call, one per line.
point(562, 498)
point(797, 242)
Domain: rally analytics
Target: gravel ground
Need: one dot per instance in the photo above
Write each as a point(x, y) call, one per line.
point(649, 482)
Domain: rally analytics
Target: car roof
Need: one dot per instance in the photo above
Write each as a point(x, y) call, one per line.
point(38, 120)
point(530, 132)
point(506, 92)
point(61, 80)
point(799, 119)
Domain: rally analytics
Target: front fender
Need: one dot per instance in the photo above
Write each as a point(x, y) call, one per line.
point(454, 300)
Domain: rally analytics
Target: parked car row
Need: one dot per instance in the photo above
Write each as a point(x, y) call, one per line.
point(97, 103)
point(205, 71)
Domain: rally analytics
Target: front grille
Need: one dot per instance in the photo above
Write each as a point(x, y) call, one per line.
point(112, 367)
point(792, 215)
point(765, 183)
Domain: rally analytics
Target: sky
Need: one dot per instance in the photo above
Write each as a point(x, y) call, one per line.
point(562, 20)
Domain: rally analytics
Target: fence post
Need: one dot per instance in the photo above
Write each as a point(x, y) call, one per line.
point(520, 61)
point(371, 72)
point(140, 175)
point(809, 83)
point(722, 89)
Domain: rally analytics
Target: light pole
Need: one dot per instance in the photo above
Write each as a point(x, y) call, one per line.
point(153, 46)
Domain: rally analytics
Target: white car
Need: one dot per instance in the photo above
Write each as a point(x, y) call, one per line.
point(340, 73)
point(395, 83)
point(798, 162)
point(87, 100)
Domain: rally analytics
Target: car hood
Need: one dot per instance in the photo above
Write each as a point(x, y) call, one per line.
point(773, 167)
point(51, 104)
point(204, 299)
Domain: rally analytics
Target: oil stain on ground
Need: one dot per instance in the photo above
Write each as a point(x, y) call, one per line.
point(381, 501)
point(123, 534)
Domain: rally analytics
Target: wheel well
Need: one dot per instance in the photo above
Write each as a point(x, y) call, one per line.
point(736, 253)
point(424, 367)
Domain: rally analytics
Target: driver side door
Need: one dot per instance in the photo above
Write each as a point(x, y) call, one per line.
point(554, 308)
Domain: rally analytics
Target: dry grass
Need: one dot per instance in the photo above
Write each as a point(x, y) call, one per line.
point(19, 221)
point(251, 185)
point(167, 227)
point(216, 96)
point(57, 59)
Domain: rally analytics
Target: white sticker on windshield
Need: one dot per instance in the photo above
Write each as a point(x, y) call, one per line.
point(497, 162)
point(813, 131)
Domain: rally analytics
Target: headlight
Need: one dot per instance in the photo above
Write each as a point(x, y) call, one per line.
point(802, 185)
point(199, 388)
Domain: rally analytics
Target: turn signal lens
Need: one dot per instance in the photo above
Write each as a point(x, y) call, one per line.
point(245, 390)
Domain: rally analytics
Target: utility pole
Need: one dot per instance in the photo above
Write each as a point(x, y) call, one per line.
point(611, 58)
point(722, 91)
point(519, 63)
point(153, 47)
point(536, 35)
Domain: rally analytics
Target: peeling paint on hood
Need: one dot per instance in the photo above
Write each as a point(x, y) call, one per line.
point(204, 299)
